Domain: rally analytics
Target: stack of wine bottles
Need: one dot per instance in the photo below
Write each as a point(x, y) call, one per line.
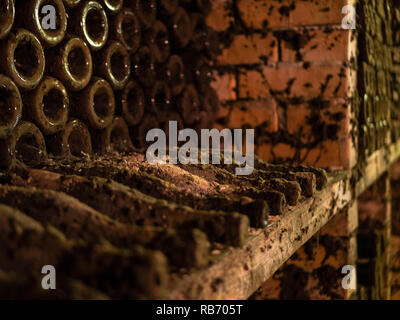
point(96, 74)
point(375, 41)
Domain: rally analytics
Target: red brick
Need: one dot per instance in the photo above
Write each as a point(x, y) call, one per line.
point(261, 14)
point(323, 45)
point(253, 85)
point(296, 121)
point(308, 83)
point(317, 12)
point(220, 17)
point(283, 151)
point(225, 85)
point(329, 154)
point(338, 113)
point(252, 114)
point(254, 49)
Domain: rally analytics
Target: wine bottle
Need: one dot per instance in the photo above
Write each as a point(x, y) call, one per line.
point(71, 3)
point(202, 6)
point(73, 142)
point(211, 103)
point(10, 106)
point(33, 16)
point(115, 137)
point(146, 11)
point(95, 104)
point(167, 7)
point(25, 146)
point(181, 28)
point(89, 21)
point(47, 106)
point(114, 65)
point(159, 98)
point(71, 63)
point(158, 41)
point(139, 132)
point(143, 66)
point(204, 39)
point(174, 74)
point(125, 28)
point(113, 6)
point(190, 105)
point(132, 103)
point(7, 16)
point(22, 59)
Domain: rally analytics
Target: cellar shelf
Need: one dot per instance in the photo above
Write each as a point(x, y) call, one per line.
point(236, 273)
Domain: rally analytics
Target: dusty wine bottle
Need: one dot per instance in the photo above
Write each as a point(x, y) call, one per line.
point(146, 11)
point(181, 27)
point(71, 3)
point(165, 117)
point(199, 31)
point(71, 64)
point(158, 41)
point(139, 133)
point(167, 7)
point(125, 28)
point(132, 103)
point(32, 15)
point(203, 6)
point(143, 66)
point(114, 65)
point(203, 73)
point(115, 265)
point(204, 38)
point(7, 15)
point(47, 106)
point(10, 106)
point(174, 74)
point(89, 21)
point(190, 105)
point(25, 145)
point(211, 103)
point(95, 104)
point(22, 58)
point(114, 137)
point(159, 98)
point(73, 142)
point(113, 6)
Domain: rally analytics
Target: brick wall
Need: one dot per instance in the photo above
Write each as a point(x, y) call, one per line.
point(284, 70)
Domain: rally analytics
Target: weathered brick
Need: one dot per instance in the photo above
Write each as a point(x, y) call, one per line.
point(299, 120)
point(313, 80)
point(329, 154)
point(293, 80)
point(283, 152)
point(220, 17)
point(253, 85)
point(251, 114)
point(317, 12)
point(321, 45)
point(225, 85)
point(253, 49)
point(262, 14)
